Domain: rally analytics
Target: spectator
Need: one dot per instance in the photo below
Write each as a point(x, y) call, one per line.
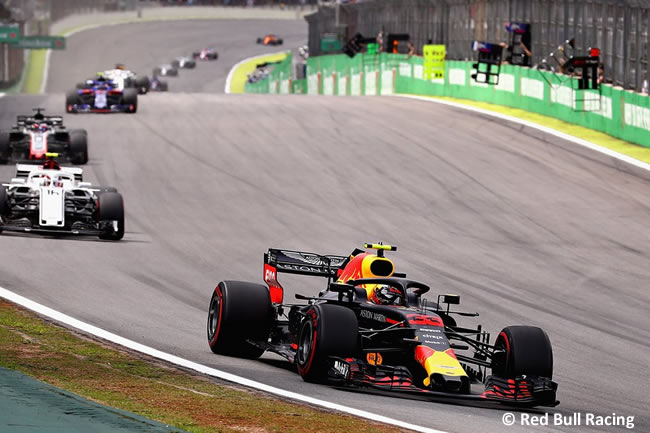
point(411, 50)
point(380, 41)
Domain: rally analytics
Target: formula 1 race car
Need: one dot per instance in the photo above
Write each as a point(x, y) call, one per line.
point(270, 39)
point(184, 63)
point(124, 78)
point(165, 71)
point(101, 95)
point(206, 54)
point(51, 199)
point(370, 328)
point(33, 137)
point(158, 85)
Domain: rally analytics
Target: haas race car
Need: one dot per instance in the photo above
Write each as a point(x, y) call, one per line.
point(371, 328)
point(101, 95)
point(51, 199)
point(33, 137)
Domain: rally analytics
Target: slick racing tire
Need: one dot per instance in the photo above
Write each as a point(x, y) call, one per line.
point(5, 210)
point(4, 148)
point(327, 330)
point(78, 146)
point(130, 98)
point(111, 208)
point(239, 311)
point(522, 350)
point(142, 84)
point(71, 99)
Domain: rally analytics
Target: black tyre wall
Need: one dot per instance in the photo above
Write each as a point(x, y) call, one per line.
point(244, 312)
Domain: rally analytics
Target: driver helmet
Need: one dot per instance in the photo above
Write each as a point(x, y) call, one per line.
point(387, 295)
point(39, 127)
point(120, 66)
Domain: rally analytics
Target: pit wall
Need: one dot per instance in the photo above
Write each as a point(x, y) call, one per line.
point(617, 112)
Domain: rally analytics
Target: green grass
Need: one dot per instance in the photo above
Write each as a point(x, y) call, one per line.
point(138, 384)
point(635, 151)
point(35, 71)
point(240, 75)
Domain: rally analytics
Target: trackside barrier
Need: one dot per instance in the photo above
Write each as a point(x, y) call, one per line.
point(617, 112)
point(279, 80)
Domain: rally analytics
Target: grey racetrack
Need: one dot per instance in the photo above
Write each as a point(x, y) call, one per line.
point(527, 228)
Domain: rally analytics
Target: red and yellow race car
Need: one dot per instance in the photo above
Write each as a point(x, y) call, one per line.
point(371, 328)
point(270, 39)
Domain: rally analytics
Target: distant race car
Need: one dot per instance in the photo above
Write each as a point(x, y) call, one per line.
point(124, 78)
point(158, 85)
point(51, 199)
point(206, 54)
point(184, 63)
point(371, 328)
point(270, 39)
point(101, 95)
point(33, 137)
point(165, 71)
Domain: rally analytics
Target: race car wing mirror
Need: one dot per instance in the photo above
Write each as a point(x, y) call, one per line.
point(451, 299)
point(342, 289)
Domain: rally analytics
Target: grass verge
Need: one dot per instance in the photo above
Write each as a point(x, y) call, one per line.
point(117, 378)
point(35, 71)
point(635, 151)
point(240, 74)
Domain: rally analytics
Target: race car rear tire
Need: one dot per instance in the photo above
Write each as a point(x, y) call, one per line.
point(71, 99)
point(4, 202)
point(156, 72)
point(522, 350)
point(78, 146)
point(130, 98)
point(327, 330)
point(5, 149)
point(143, 84)
point(239, 311)
point(111, 208)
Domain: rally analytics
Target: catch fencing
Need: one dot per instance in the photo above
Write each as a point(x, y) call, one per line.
point(620, 28)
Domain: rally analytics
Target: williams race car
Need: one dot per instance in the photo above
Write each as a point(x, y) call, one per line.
point(371, 328)
point(166, 71)
point(51, 199)
point(184, 63)
point(33, 137)
point(124, 78)
point(205, 54)
point(270, 39)
point(101, 95)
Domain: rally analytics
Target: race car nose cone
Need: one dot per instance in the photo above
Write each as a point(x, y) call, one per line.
point(450, 383)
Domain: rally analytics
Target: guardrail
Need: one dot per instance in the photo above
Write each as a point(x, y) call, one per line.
point(620, 28)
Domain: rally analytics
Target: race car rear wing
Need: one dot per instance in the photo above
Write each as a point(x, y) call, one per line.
point(298, 262)
point(23, 170)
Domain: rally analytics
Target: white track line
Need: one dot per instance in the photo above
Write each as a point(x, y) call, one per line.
point(98, 332)
point(545, 129)
point(238, 64)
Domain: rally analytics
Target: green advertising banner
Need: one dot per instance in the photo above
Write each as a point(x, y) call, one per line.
point(9, 34)
point(614, 111)
point(41, 42)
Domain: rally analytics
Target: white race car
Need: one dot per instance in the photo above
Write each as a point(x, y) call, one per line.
point(50, 199)
point(184, 63)
point(124, 78)
point(167, 70)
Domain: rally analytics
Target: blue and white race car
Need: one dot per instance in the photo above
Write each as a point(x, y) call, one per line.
point(101, 95)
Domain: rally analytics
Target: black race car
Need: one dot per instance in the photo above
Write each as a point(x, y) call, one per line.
point(371, 328)
point(38, 137)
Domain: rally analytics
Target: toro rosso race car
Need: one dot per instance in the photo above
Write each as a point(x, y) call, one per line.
point(371, 328)
point(270, 39)
point(206, 54)
point(51, 199)
point(33, 137)
point(101, 95)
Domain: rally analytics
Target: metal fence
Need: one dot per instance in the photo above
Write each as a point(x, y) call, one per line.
point(618, 27)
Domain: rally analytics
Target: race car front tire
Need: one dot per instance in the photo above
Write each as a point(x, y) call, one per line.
point(79, 146)
point(239, 311)
point(143, 84)
point(5, 149)
point(71, 99)
point(130, 98)
point(111, 208)
point(522, 350)
point(327, 330)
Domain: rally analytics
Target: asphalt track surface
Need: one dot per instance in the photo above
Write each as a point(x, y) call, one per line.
point(529, 229)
